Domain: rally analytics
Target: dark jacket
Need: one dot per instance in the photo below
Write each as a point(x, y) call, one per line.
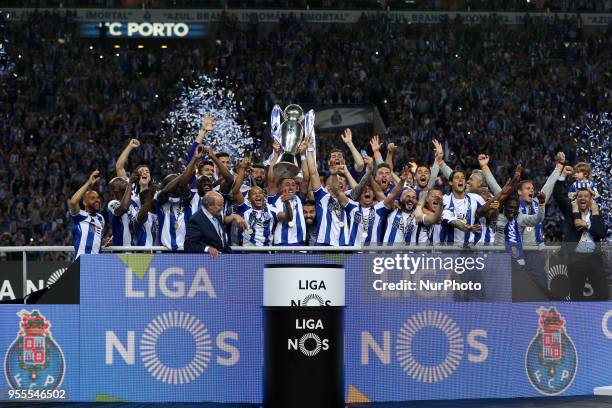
point(202, 233)
point(571, 235)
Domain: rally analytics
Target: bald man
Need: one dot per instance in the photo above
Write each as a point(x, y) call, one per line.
point(205, 232)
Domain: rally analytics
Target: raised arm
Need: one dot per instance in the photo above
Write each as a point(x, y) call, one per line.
point(389, 156)
point(549, 186)
point(124, 204)
point(365, 179)
point(183, 179)
point(287, 213)
point(123, 157)
point(435, 168)
point(242, 167)
point(347, 138)
point(483, 160)
point(315, 181)
point(423, 217)
point(76, 197)
point(375, 145)
point(336, 191)
point(343, 171)
point(390, 199)
point(208, 125)
point(271, 187)
point(146, 206)
point(223, 170)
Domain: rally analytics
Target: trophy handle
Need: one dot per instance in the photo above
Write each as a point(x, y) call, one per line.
point(309, 122)
point(275, 123)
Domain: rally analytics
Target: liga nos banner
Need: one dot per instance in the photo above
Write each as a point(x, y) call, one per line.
point(174, 327)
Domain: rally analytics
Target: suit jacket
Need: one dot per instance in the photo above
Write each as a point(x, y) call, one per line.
point(202, 233)
point(571, 235)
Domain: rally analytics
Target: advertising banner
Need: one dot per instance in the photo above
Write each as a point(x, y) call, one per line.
point(177, 327)
point(309, 16)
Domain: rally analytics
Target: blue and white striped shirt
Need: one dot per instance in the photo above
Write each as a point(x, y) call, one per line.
point(366, 219)
point(87, 232)
point(283, 233)
point(147, 233)
point(332, 221)
point(260, 222)
point(173, 217)
point(122, 226)
point(460, 209)
point(401, 228)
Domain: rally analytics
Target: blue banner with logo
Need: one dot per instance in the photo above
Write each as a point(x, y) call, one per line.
point(189, 328)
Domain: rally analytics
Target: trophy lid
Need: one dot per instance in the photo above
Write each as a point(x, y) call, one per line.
point(294, 112)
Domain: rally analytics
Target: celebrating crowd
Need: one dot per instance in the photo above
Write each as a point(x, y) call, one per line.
point(482, 89)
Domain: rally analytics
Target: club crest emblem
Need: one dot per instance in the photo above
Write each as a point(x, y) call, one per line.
point(551, 361)
point(34, 360)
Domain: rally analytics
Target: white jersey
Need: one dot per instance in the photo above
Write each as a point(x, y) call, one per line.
point(401, 228)
point(366, 221)
point(260, 225)
point(332, 221)
point(122, 226)
point(172, 217)
point(287, 232)
point(460, 209)
point(87, 232)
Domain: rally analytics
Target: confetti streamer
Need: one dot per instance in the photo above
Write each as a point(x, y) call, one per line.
point(205, 95)
point(593, 145)
point(6, 65)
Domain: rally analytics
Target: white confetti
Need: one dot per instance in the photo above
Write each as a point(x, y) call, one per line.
point(206, 95)
point(593, 146)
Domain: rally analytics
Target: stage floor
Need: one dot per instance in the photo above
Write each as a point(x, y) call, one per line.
point(554, 402)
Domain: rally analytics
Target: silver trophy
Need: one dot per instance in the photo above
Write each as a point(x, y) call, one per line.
point(289, 134)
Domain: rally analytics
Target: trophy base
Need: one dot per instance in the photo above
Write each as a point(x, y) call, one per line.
point(285, 169)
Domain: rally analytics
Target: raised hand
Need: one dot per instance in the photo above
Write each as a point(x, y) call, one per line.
point(517, 173)
point(245, 163)
point(276, 147)
point(483, 160)
point(438, 151)
point(560, 157)
point(208, 123)
point(541, 197)
point(369, 162)
point(412, 166)
point(347, 136)
point(567, 171)
point(134, 178)
point(375, 143)
point(207, 150)
point(285, 196)
point(341, 168)
point(200, 150)
point(94, 177)
point(390, 148)
point(507, 188)
point(134, 143)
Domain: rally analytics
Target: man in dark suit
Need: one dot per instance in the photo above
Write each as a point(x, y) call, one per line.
point(584, 229)
point(205, 232)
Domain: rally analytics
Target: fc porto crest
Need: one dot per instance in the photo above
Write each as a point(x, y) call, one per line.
point(551, 361)
point(34, 360)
